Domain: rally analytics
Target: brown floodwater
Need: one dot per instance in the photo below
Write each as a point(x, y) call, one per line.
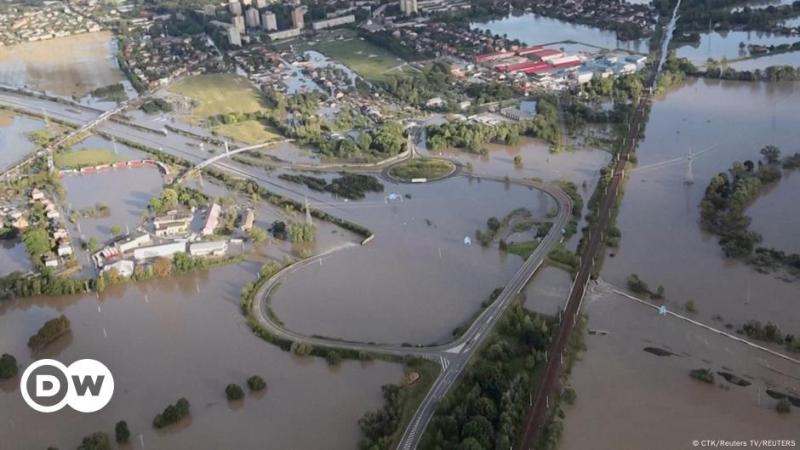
point(70, 66)
point(721, 122)
point(631, 399)
point(417, 280)
point(770, 219)
point(14, 141)
point(548, 290)
point(186, 337)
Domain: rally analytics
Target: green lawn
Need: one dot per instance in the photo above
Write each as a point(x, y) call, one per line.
point(249, 132)
point(76, 159)
point(368, 60)
point(523, 249)
point(218, 94)
point(423, 168)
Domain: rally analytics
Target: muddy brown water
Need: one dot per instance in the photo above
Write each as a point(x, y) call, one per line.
point(186, 337)
point(628, 398)
point(721, 122)
point(417, 280)
point(67, 66)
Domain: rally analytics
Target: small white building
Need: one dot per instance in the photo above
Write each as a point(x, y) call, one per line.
point(208, 248)
point(64, 250)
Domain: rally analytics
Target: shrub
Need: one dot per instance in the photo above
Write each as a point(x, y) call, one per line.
point(234, 392)
point(123, 434)
point(783, 406)
point(8, 366)
point(256, 383)
point(172, 414)
point(50, 331)
point(96, 441)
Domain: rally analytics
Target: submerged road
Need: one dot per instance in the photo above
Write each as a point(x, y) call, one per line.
point(453, 356)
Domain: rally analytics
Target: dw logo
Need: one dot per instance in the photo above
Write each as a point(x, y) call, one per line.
point(86, 385)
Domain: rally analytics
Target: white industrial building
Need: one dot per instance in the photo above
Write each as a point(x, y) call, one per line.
point(133, 241)
point(156, 251)
point(335, 22)
point(208, 248)
point(285, 34)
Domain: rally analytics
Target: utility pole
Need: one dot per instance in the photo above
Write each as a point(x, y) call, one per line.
point(308, 211)
point(689, 179)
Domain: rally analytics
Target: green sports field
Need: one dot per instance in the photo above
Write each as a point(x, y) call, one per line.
point(218, 94)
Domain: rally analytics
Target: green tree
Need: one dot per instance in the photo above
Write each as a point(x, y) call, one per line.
point(772, 154)
point(783, 406)
point(96, 441)
point(8, 366)
point(234, 392)
point(257, 234)
point(123, 434)
point(256, 383)
point(116, 230)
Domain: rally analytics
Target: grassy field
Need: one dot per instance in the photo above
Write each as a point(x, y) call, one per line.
point(423, 168)
point(523, 249)
point(218, 94)
point(369, 61)
point(82, 158)
point(249, 132)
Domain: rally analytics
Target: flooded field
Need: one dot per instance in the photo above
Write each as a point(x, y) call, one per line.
point(71, 66)
point(721, 122)
point(417, 280)
point(132, 190)
point(154, 337)
point(581, 166)
point(533, 30)
point(13, 257)
point(773, 220)
point(728, 45)
point(548, 290)
point(14, 142)
point(628, 398)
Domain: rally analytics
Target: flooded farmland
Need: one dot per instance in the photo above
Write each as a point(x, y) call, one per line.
point(719, 123)
point(14, 141)
point(628, 398)
point(728, 45)
point(417, 280)
point(128, 328)
point(70, 66)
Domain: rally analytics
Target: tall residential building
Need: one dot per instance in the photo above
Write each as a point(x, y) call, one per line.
point(408, 7)
point(247, 2)
point(268, 21)
point(297, 17)
point(251, 18)
point(236, 8)
point(234, 37)
point(261, 4)
point(238, 23)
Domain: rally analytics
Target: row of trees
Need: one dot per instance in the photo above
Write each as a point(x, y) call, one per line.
point(771, 74)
